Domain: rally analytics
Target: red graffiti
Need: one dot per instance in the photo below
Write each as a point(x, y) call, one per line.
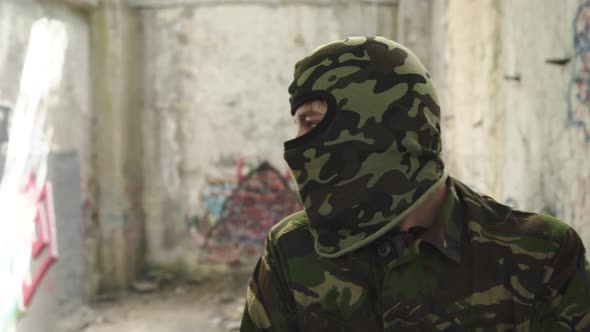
point(262, 198)
point(44, 246)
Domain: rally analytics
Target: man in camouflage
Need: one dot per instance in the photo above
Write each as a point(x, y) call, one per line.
point(387, 241)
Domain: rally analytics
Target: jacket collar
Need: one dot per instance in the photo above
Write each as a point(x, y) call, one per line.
point(445, 234)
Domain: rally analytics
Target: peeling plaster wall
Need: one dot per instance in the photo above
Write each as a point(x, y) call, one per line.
point(516, 125)
point(215, 98)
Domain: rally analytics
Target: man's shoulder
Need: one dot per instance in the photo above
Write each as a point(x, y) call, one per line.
point(293, 224)
point(489, 220)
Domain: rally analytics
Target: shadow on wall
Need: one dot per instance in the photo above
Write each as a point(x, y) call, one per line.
point(240, 214)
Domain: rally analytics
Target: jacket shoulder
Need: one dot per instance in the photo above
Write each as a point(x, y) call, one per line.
point(493, 219)
point(288, 225)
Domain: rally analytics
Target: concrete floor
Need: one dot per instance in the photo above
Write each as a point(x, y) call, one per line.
point(212, 306)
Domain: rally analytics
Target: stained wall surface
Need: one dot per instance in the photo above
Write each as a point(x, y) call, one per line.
point(44, 96)
point(68, 117)
point(177, 110)
point(216, 104)
point(518, 118)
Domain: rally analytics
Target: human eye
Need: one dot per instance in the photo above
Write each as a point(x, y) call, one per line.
point(313, 119)
point(300, 119)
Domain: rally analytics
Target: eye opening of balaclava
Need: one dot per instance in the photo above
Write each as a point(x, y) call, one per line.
point(324, 122)
point(375, 156)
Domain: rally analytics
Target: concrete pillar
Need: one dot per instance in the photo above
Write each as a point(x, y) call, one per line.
point(474, 124)
point(117, 150)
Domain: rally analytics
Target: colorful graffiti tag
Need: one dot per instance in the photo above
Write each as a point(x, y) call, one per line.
point(34, 249)
point(579, 86)
point(27, 230)
point(245, 209)
point(44, 246)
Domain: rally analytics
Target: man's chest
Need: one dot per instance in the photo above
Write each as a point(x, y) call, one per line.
point(419, 292)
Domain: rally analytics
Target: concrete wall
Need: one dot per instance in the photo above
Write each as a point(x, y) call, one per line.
point(92, 110)
point(517, 117)
point(215, 102)
point(60, 289)
point(177, 110)
point(70, 102)
point(113, 201)
point(423, 27)
point(474, 115)
point(45, 87)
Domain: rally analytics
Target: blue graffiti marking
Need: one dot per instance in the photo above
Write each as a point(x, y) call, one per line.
point(579, 85)
point(214, 197)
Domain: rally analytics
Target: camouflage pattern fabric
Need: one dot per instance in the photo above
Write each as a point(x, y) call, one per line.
point(481, 267)
point(342, 265)
point(375, 155)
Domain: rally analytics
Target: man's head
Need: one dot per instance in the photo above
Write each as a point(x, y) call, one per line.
point(373, 154)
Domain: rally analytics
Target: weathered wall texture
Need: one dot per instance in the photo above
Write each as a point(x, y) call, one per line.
point(178, 110)
point(474, 115)
point(422, 27)
point(518, 115)
point(215, 105)
point(60, 289)
point(44, 66)
point(70, 102)
point(113, 199)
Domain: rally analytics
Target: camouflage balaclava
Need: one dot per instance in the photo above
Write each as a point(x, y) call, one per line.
point(375, 156)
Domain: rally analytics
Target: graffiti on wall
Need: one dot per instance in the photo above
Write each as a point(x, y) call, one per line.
point(33, 248)
point(29, 241)
point(579, 86)
point(44, 244)
point(239, 212)
point(27, 231)
point(579, 111)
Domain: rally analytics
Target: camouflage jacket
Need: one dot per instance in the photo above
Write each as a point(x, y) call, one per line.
point(481, 267)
